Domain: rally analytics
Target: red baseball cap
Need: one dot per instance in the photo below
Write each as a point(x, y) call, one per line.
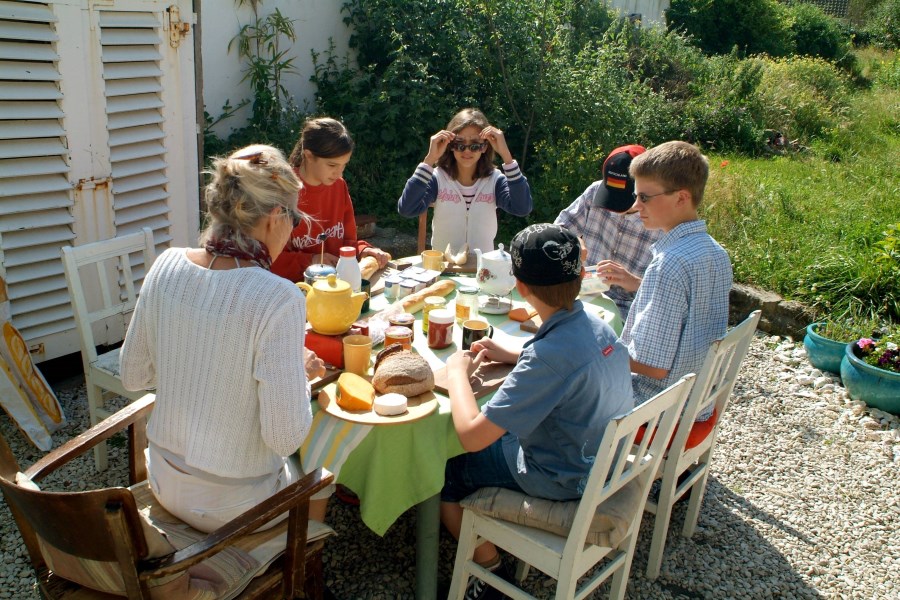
point(616, 192)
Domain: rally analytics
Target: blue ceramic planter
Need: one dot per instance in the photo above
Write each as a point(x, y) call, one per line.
point(876, 387)
point(823, 353)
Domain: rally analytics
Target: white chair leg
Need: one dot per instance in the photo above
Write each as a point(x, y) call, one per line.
point(95, 401)
point(619, 581)
point(693, 510)
point(667, 488)
point(465, 551)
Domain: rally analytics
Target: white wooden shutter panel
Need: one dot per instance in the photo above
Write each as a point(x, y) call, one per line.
point(130, 50)
point(35, 193)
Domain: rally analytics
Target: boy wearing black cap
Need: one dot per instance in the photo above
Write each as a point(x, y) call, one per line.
point(539, 432)
point(605, 218)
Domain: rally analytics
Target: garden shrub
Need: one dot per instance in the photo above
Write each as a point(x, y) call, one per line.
point(802, 97)
point(718, 26)
point(883, 24)
point(818, 34)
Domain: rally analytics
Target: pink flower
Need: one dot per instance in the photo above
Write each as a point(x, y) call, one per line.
point(866, 344)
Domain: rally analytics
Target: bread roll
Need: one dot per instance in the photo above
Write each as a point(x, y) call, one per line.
point(414, 302)
point(367, 266)
point(400, 371)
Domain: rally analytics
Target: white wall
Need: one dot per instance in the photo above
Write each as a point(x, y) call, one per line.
point(651, 11)
point(315, 21)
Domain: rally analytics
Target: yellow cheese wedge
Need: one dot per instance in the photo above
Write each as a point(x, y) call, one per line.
point(354, 392)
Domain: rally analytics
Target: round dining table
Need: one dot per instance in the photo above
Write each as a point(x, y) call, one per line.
point(394, 467)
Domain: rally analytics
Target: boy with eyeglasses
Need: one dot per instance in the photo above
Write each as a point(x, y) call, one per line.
point(681, 306)
point(615, 239)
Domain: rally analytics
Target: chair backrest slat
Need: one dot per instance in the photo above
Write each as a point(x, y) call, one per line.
point(717, 377)
point(116, 297)
point(618, 461)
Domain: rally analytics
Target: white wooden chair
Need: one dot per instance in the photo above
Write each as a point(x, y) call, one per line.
point(568, 556)
point(692, 445)
point(107, 266)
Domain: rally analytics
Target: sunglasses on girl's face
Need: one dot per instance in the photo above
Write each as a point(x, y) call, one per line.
point(474, 147)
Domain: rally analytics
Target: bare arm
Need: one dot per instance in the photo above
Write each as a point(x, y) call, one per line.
point(651, 372)
point(474, 430)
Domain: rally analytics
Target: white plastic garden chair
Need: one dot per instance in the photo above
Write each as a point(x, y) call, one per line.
point(109, 261)
point(567, 558)
point(692, 445)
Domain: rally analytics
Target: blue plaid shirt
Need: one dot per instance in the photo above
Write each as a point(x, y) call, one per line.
point(680, 309)
point(609, 235)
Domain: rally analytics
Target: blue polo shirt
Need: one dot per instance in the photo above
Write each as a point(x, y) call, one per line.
point(571, 378)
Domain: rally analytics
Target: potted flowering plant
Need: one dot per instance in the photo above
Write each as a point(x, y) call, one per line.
point(870, 371)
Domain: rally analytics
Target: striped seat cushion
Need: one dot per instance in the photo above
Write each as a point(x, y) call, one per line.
point(608, 527)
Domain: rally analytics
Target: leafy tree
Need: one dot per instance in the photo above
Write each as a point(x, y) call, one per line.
point(718, 26)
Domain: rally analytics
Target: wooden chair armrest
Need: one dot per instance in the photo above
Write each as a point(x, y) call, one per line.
point(133, 416)
point(292, 498)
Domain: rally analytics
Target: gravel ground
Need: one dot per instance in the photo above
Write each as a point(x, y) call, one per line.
point(802, 502)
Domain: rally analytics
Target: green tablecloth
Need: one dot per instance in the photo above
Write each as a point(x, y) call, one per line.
point(394, 467)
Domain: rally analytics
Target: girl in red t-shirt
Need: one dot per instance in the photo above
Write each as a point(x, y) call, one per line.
point(318, 159)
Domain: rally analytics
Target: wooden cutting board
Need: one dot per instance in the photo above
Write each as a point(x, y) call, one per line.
point(417, 407)
point(531, 325)
point(487, 378)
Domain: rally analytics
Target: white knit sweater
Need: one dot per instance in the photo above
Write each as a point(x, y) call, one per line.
point(224, 350)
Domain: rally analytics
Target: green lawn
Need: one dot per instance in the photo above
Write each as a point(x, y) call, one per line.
point(804, 224)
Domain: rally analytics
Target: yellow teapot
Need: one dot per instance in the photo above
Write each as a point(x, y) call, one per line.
point(331, 306)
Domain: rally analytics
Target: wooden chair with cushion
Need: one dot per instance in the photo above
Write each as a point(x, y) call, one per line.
point(103, 298)
point(566, 540)
point(685, 467)
point(87, 545)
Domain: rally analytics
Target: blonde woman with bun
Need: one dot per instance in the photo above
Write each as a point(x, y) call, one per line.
point(221, 338)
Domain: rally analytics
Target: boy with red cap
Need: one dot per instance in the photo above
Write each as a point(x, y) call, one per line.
point(603, 216)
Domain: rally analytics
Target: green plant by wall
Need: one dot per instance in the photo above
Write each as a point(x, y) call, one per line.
point(261, 45)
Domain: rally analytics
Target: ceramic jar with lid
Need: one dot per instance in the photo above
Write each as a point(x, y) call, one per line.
point(440, 328)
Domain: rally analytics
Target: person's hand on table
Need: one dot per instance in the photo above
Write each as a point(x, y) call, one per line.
point(315, 366)
point(464, 362)
point(616, 274)
point(378, 254)
point(493, 351)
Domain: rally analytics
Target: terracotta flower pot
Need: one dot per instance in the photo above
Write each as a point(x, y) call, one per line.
point(824, 353)
point(876, 387)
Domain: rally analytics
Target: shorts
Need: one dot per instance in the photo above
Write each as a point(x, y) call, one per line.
point(469, 472)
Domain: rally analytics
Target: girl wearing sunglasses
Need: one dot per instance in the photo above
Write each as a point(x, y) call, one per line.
point(319, 159)
point(464, 187)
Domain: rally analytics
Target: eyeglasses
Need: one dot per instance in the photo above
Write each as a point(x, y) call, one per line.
point(295, 216)
point(645, 198)
point(474, 147)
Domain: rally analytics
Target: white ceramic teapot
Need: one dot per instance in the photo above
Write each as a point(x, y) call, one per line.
point(494, 273)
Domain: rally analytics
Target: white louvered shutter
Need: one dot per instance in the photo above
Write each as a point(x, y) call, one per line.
point(35, 193)
point(97, 139)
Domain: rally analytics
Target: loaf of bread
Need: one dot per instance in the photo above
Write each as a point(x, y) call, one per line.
point(367, 266)
point(401, 371)
point(414, 302)
point(354, 392)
